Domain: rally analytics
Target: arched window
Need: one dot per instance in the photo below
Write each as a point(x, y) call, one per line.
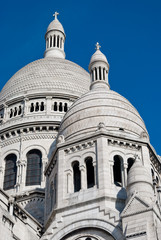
point(58, 41)
point(60, 107)
point(100, 77)
point(54, 40)
point(37, 107)
point(34, 164)
point(76, 177)
point(19, 110)
point(96, 77)
point(42, 106)
point(10, 172)
point(32, 107)
point(15, 112)
point(130, 162)
point(50, 41)
point(11, 113)
point(65, 107)
point(55, 106)
point(117, 170)
point(90, 172)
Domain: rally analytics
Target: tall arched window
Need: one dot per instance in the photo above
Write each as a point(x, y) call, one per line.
point(76, 176)
point(117, 170)
point(130, 162)
point(65, 107)
point(90, 172)
point(34, 164)
point(10, 172)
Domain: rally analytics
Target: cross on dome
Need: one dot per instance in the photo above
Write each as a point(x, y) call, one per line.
point(97, 46)
point(55, 15)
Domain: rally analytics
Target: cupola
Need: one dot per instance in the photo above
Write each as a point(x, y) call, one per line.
point(55, 38)
point(99, 68)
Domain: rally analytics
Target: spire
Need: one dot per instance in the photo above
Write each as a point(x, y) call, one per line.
point(99, 68)
point(55, 38)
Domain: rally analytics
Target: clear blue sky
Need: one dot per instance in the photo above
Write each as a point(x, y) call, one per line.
point(129, 32)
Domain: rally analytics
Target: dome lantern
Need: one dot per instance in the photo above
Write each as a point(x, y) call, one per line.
point(99, 69)
point(55, 39)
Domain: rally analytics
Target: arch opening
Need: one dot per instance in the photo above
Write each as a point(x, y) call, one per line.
point(34, 165)
point(90, 172)
point(10, 174)
point(76, 177)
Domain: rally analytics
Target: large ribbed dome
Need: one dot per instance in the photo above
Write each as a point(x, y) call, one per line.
point(48, 75)
point(101, 106)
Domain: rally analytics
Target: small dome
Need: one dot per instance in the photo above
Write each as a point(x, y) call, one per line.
point(98, 56)
point(55, 25)
point(102, 105)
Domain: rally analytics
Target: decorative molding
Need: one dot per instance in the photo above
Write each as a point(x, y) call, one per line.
point(124, 144)
point(29, 137)
point(79, 147)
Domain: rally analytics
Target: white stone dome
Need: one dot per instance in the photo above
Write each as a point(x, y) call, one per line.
point(98, 56)
point(102, 106)
point(55, 25)
point(47, 76)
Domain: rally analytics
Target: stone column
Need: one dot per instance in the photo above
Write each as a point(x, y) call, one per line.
point(26, 106)
point(103, 163)
point(94, 75)
point(95, 173)
point(82, 169)
point(61, 191)
point(48, 104)
point(5, 115)
point(125, 166)
point(111, 171)
point(23, 173)
point(69, 185)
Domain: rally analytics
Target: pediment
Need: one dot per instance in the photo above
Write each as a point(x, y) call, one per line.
point(135, 205)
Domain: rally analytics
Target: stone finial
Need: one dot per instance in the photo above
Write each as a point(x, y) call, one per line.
point(55, 15)
point(97, 46)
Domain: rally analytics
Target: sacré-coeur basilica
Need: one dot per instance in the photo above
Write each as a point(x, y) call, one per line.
point(76, 162)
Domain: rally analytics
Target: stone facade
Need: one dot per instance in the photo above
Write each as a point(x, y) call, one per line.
point(97, 177)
